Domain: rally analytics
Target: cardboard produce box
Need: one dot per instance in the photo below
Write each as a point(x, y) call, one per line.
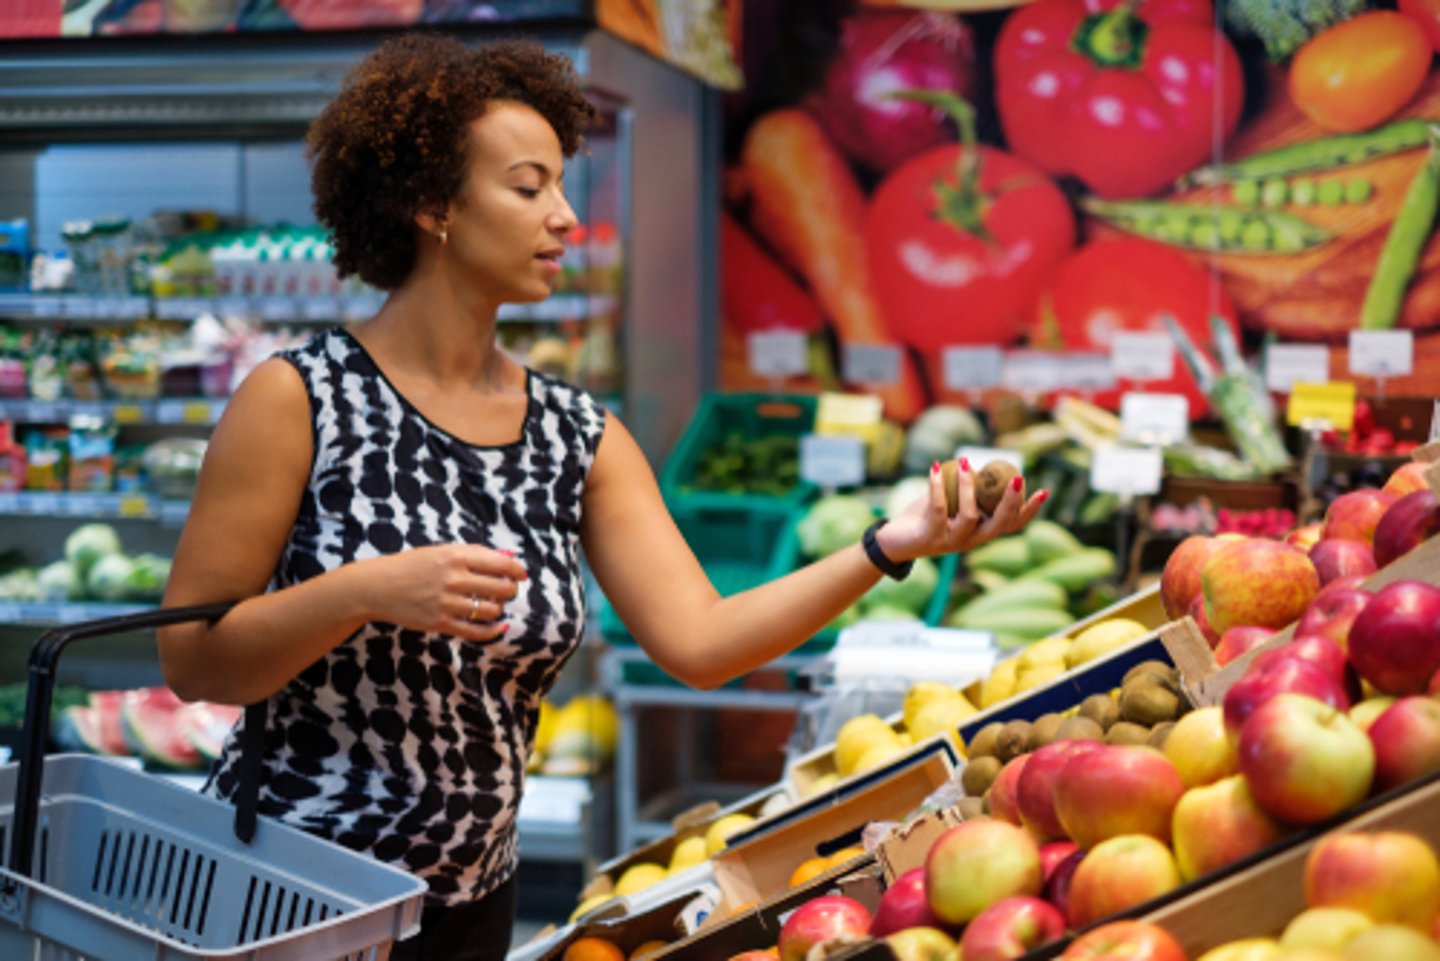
point(617, 923)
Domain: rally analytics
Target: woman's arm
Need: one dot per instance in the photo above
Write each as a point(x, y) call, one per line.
point(251, 483)
point(660, 591)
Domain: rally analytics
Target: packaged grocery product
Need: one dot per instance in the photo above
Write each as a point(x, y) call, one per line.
point(47, 452)
point(172, 466)
point(92, 455)
point(12, 459)
point(14, 253)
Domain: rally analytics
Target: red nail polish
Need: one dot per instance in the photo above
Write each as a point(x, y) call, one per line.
point(504, 628)
point(965, 464)
point(508, 553)
point(934, 467)
point(1042, 497)
point(1016, 483)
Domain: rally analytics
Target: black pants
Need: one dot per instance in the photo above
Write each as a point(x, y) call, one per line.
point(478, 931)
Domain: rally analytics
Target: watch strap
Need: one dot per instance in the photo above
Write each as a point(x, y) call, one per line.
point(877, 556)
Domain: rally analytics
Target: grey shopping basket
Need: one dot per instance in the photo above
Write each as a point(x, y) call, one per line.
point(109, 863)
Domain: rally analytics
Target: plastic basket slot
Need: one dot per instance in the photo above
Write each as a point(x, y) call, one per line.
point(271, 909)
point(155, 883)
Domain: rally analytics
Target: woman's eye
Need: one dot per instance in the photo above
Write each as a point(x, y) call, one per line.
point(530, 192)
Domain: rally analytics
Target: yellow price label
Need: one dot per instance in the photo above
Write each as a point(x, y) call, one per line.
point(854, 414)
point(196, 412)
point(128, 414)
point(1332, 403)
point(134, 505)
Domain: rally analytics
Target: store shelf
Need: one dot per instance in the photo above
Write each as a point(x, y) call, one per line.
point(52, 613)
point(100, 506)
point(203, 411)
point(23, 307)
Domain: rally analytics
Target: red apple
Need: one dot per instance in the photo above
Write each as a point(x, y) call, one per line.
point(1304, 537)
point(975, 864)
point(1239, 640)
point(1408, 523)
point(1011, 928)
point(1395, 640)
point(1286, 675)
point(1037, 786)
point(903, 905)
point(1125, 941)
point(1118, 874)
point(1180, 580)
point(1057, 886)
point(1350, 583)
point(922, 944)
point(1218, 824)
point(1053, 852)
point(1332, 613)
point(1407, 741)
point(1353, 516)
point(1117, 790)
point(1004, 801)
point(1367, 711)
point(1304, 760)
point(1390, 876)
point(1197, 614)
point(1257, 582)
point(1336, 557)
point(1407, 479)
point(1315, 649)
point(822, 919)
point(1199, 748)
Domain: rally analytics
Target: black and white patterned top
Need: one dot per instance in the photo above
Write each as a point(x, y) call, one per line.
point(407, 745)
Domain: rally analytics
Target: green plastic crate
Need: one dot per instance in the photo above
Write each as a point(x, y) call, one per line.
point(791, 558)
point(738, 549)
point(752, 415)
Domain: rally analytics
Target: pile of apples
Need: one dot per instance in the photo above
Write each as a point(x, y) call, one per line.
point(1368, 897)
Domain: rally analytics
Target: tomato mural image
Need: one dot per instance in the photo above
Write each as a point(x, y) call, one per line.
point(1039, 176)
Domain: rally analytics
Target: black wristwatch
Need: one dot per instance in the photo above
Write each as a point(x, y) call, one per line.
point(877, 556)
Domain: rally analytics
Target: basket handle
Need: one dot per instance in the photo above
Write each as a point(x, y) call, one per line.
point(40, 691)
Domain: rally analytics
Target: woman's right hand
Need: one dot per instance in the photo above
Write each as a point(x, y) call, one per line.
point(455, 589)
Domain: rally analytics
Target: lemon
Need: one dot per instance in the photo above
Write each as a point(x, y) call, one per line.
point(940, 716)
point(922, 693)
point(687, 853)
point(638, 877)
point(589, 904)
point(822, 784)
point(878, 755)
point(1100, 639)
point(719, 832)
point(592, 715)
point(1051, 650)
point(1000, 683)
point(857, 736)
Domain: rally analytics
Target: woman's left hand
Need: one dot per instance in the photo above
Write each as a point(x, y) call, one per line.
point(924, 530)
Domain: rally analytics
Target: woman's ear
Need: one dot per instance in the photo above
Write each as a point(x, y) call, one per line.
point(434, 224)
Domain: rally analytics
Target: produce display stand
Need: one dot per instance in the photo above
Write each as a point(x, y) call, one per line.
point(108, 862)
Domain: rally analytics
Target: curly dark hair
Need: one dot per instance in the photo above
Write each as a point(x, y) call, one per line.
point(393, 143)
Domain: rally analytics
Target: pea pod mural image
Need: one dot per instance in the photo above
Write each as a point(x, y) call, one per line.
point(1288, 157)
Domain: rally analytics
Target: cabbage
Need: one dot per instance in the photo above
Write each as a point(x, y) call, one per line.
point(905, 493)
point(912, 594)
point(833, 522)
point(109, 578)
point(147, 578)
point(88, 543)
point(57, 581)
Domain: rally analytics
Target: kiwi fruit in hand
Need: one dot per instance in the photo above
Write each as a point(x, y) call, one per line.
point(991, 483)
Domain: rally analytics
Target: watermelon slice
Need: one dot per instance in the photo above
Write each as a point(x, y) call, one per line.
point(148, 716)
point(111, 737)
point(206, 725)
point(79, 728)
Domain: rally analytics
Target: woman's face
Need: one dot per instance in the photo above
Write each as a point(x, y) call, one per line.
point(506, 229)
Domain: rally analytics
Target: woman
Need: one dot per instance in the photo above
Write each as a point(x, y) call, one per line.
point(401, 505)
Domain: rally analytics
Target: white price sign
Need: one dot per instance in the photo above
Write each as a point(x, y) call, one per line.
point(1141, 356)
point(831, 461)
point(1382, 353)
point(1126, 470)
point(980, 456)
point(778, 353)
point(1031, 370)
point(872, 364)
point(1154, 418)
point(1084, 370)
point(1289, 364)
point(972, 368)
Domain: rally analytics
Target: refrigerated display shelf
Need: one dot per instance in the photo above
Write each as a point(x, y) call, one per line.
point(52, 613)
point(73, 504)
point(201, 411)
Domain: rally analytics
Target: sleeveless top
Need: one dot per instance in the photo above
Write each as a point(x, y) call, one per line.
point(406, 745)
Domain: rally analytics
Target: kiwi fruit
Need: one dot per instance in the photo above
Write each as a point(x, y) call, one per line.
point(1148, 703)
point(950, 477)
point(991, 482)
point(1127, 732)
point(970, 808)
point(1010, 742)
point(1100, 708)
point(983, 742)
point(1080, 729)
point(1159, 670)
point(1159, 733)
point(978, 775)
point(1042, 732)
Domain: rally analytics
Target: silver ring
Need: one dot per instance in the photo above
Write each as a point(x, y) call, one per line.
point(474, 608)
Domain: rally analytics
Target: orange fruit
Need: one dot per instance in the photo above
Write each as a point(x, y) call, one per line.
point(591, 948)
point(808, 869)
point(647, 948)
point(843, 856)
